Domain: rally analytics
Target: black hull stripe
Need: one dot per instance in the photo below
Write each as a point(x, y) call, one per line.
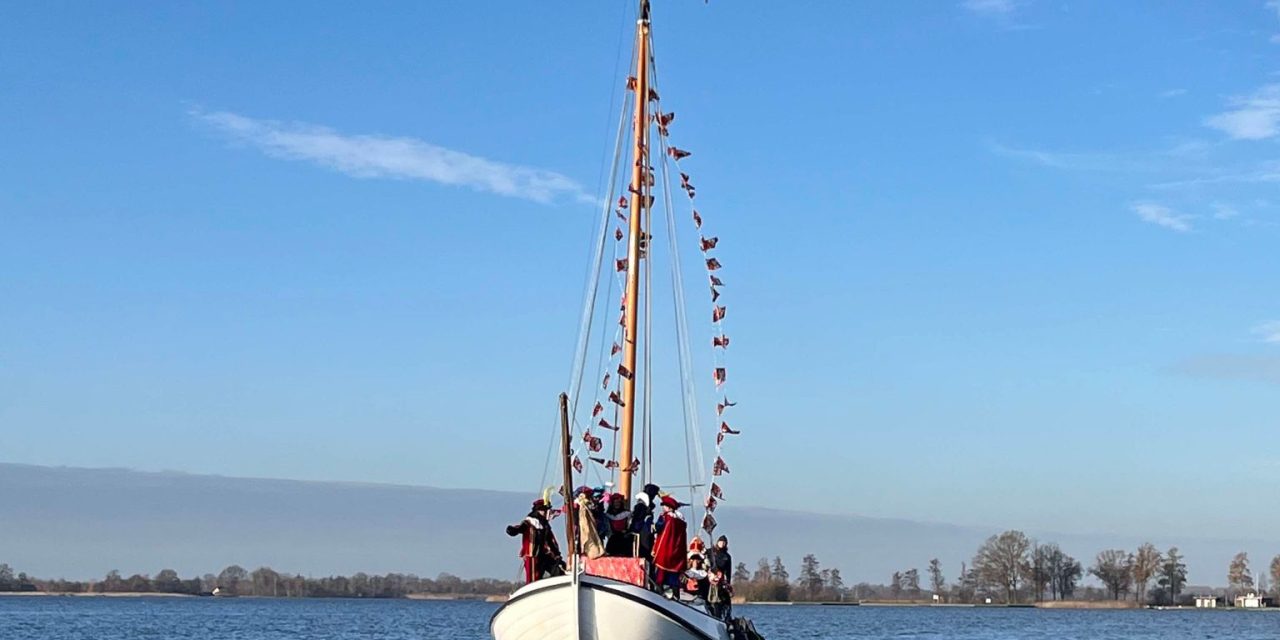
point(688, 626)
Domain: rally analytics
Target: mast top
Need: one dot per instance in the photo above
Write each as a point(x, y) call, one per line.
point(644, 10)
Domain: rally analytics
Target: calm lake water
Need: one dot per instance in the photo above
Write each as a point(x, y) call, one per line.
point(68, 618)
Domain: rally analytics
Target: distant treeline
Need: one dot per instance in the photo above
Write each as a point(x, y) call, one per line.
point(264, 581)
point(1009, 568)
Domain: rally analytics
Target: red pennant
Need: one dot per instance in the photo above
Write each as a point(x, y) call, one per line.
point(710, 503)
point(665, 119)
point(577, 464)
point(620, 216)
point(712, 264)
point(697, 219)
point(719, 439)
point(593, 443)
point(614, 351)
point(595, 411)
point(720, 341)
point(616, 399)
point(720, 376)
point(715, 294)
point(653, 95)
point(715, 491)
point(710, 243)
point(622, 202)
point(624, 371)
point(726, 403)
point(605, 384)
point(608, 464)
point(719, 468)
point(631, 83)
point(617, 234)
point(717, 314)
point(716, 281)
point(708, 524)
point(678, 154)
point(621, 264)
point(605, 425)
point(724, 428)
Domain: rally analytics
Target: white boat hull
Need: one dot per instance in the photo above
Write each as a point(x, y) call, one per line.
point(598, 609)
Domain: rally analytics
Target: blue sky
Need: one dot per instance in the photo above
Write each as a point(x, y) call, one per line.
point(991, 262)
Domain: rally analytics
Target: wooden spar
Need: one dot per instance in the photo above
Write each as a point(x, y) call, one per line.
point(567, 457)
point(639, 204)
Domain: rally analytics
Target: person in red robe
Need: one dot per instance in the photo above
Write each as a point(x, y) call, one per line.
point(538, 546)
point(670, 547)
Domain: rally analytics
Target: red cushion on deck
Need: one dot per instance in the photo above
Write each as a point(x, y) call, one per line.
point(629, 570)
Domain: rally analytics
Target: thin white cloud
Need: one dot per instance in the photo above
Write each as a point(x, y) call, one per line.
point(1269, 332)
point(1224, 211)
point(990, 7)
point(1173, 93)
point(1253, 117)
point(375, 156)
point(1103, 162)
point(1163, 216)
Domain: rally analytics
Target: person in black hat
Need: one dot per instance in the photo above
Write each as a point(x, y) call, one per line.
point(538, 546)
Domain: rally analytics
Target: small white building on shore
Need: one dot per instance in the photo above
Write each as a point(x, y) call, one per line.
point(1206, 602)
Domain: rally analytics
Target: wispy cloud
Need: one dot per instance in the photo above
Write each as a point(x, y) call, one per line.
point(1252, 117)
point(1162, 216)
point(1269, 332)
point(990, 7)
point(1173, 93)
point(1224, 211)
point(1260, 368)
point(1102, 162)
point(377, 156)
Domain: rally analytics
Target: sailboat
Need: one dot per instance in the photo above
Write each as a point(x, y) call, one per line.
point(613, 598)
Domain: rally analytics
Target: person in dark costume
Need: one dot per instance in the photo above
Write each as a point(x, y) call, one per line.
point(642, 520)
point(720, 576)
point(618, 519)
point(538, 546)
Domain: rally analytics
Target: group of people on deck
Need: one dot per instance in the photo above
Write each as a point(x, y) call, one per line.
point(652, 528)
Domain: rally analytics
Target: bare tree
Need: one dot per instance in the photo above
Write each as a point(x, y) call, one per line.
point(1041, 563)
point(1002, 561)
point(1239, 577)
point(1275, 575)
point(937, 583)
point(1146, 562)
point(1173, 574)
point(1114, 567)
point(911, 582)
point(895, 584)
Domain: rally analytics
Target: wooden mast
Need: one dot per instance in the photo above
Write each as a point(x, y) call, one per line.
point(639, 205)
point(566, 458)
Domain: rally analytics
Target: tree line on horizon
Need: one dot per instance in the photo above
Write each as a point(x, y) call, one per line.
point(264, 581)
point(1008, 568)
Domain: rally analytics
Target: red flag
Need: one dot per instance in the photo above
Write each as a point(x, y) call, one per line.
point(605, 384)
point(595, 411)
point(653, 95)
point(717, 314)
point(720, 376)
point(715, 491)
point(665, 119)
point(621, 264)
point(577, 464)
point(622, 202)
point(616, 399)
point(720, 409)
point(608, 464)
point(620, 216)
point(720, 341)
point(708, 524)
point(727, 403)
point(617, 234)
point(635, 465)
point(719, 439)
point(710, 243)
point(624, 371)
point(712, 264)
point(593, 443)
point(697, 219)
point(710, 503)
point(716, 281)
point(614, 351)
point(631, 83)
point(677, 153)
point(724, 428)
point(605, 424)
point(715, 294)
point(719, 468)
